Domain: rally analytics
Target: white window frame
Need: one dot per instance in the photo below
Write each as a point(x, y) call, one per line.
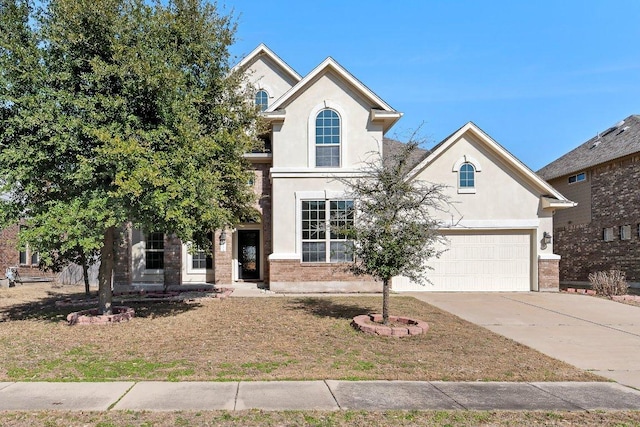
point(327, 240)
point(255, 99)
point(625, 232)
point(311, 135)
point(579, 177)
point(607, 234)
point(466, 159)
point(156, 250)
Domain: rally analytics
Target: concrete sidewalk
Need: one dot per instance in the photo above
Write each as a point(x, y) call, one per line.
point(594, 334)
point(317, 395)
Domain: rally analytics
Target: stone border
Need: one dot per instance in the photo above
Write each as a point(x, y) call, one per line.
point(91, 317)
point(414, 327)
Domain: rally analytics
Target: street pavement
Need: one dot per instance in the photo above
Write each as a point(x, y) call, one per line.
point(317, 395)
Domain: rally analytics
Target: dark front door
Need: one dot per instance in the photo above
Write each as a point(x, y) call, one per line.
point(248, 254)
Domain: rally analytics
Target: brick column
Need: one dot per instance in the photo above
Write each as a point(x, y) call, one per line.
point(172, 260)
point(549, 273)
point(222, 258)
point(122, 264)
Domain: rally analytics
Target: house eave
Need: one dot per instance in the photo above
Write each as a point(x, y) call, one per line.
point(555, 204)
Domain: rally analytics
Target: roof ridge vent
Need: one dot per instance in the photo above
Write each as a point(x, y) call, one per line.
point(613, 128)
point(623, 129)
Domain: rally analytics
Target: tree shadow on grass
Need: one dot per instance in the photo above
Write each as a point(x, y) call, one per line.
point(46, 309)
point(328, 307)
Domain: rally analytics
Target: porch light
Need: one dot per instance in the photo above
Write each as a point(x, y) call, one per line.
point(223, 238)
point(547, 237)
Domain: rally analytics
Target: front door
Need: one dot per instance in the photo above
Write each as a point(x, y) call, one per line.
point(248, 254)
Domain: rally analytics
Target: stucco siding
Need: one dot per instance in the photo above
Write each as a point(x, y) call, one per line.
point(579, 192)
point(265, 74)
point(294, 140)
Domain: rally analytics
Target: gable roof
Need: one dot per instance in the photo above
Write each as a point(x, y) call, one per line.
point(620, 140)
point(381, 110)
point(261, 50)
point(551, 197)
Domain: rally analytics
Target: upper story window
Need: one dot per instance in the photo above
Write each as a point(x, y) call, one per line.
point(328, 138)
point(582, 176)
point(467, 168)
point(262, 99)
point(467, 176)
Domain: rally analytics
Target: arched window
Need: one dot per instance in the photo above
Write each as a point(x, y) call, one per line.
point(327, 138)
point(262, 99)
point(466, 176)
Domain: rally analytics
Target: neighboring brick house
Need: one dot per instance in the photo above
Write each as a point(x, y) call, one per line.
point(26, 260)
point(603, 230)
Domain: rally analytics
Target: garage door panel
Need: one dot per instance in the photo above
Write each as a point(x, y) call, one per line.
point(479, 261)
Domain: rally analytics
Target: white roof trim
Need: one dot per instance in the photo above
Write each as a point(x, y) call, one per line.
point(497, 149)
point(262, 49)
point(327, 64)
point(550, 203)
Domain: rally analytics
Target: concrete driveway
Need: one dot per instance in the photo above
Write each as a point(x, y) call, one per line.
point(591, 333)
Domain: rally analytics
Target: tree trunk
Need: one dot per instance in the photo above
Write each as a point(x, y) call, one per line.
point(106, 272)
point(385, 301)
point(85, 273)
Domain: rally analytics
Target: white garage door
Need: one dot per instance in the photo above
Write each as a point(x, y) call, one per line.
point(478, 261)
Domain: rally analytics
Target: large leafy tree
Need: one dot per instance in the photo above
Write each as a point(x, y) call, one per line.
point(120, 110)
point(396, 226)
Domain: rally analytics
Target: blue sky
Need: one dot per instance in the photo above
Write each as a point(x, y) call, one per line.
point(540, 77)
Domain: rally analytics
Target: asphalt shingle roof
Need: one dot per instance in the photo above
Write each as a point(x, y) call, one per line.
point(391, 147)
point(613, 143)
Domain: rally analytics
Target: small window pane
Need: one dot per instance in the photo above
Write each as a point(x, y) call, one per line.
point(154, 260)
point(23, 257)
point(313, 252)
point(341, 252)
point(467, 176)
point(155, 241)
point(262, 100)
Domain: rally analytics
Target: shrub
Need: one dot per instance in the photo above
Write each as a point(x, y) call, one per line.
point(609, 283)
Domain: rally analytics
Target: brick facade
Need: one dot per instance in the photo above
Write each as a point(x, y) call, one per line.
point(222, 261)
point(548, 275)
point(614, 201)
point(10, 256)
point(295, 276)
point(172, 260)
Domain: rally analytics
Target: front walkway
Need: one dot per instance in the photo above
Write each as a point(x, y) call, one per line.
point(594, 334)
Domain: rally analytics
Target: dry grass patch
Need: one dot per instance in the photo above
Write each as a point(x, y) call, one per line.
point(255, 339)
point(256, 418)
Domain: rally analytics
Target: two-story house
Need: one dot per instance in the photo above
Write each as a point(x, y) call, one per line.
point(322, 126)
point(603, 231)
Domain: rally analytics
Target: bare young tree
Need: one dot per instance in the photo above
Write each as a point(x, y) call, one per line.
point(395, 228)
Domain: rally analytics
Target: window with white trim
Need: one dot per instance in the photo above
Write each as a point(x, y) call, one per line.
point(322, 221)
point(467, 176)
point(154, 251)
point(625, 232)
point(201, 259)
point(328, 138)
point(582, 176)
point(28, 256)
point(607, 234)
point(262, 99)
